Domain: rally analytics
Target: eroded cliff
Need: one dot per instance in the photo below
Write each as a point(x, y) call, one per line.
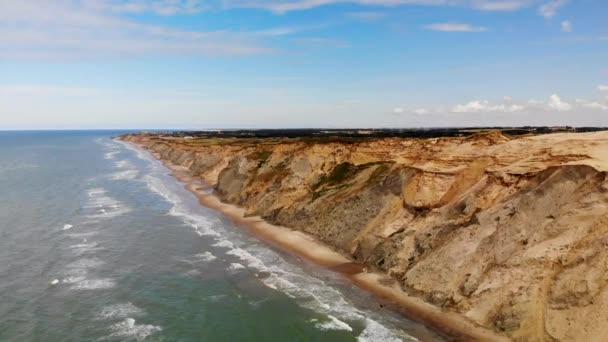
point(509, 232)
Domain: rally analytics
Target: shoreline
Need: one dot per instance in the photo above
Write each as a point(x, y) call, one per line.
point(385, 289)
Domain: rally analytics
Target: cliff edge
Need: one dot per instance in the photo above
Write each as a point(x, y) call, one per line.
point(509, 232)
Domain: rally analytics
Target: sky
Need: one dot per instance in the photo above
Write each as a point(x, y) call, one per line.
point(202, 64)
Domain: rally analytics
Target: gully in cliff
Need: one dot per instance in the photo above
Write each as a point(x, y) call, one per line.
point(487, 236)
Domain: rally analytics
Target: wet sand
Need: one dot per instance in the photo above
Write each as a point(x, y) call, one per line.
point(451, 325)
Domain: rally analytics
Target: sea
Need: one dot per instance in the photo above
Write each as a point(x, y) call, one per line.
point(99, 243)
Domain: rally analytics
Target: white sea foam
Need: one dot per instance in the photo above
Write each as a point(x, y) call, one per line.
point(124, 175)
point(201, 224)
point(110, 155)
point(96, 192)
point(94, 284)
point(333, 324)
point(129, 329)
point(206, 256)
point(85, 248)
point(235, 267)
point(119, 311)
point(124, 164)
point(375, 331)
point(248, 258)
point(55, 282)
point(223, 244)
point(141, 154)
point(81, 235)
point(215, 298)
point(85, 264)
point(73, 279)
point(103, 206)
point(77, 271)
point(67, 226)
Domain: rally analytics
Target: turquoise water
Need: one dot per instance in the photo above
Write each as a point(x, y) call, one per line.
point(99, 243)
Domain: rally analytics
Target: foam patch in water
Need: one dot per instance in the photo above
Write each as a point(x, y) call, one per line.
point(85, 263)
point(110, 155)
point(247, 257)
point(85, 248)
point(103, 206)
point(201, 224)
point(123, 164)
point(94, 284)
point(223, 244)
point(206, 257)
point(120, 311)
point(129, 329)
point(375, 331)
point(124, 175)
point(235, 267)
point(67, 226)
point(333, 324)
point(73, 279)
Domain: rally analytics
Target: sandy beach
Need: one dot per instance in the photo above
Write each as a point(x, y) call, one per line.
point(385, 289)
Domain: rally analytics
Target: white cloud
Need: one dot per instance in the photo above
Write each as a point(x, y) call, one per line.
point(398, 110)
point(484, 106)
point(455, 27)
point(555, 102)
point(566, 26)
point(66, 29)
point(549, 9)
point(160, 7)
point(279, 6)
point(602, 87)
point(500, 5)
point(591, 104)
point(421, 111)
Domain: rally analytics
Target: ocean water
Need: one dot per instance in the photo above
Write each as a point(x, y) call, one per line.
point(99, 243)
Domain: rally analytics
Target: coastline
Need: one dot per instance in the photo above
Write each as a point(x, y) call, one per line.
point(385, 289)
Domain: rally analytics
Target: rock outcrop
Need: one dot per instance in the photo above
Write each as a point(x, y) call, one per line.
point(511, 233)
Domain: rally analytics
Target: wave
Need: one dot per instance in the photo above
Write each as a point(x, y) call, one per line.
point(94, 284)
point(201, 224)
point(81, 235)
point(124, 175)
point(332, 324)
point(124, 164)
point(102, 206)
point(223, 244)
point(85, 248)
point(110, 155)
point(119, 311)
point(375, 331)
point(236, 267)
point(205, 257)
point(129, 329)
point(67, 226)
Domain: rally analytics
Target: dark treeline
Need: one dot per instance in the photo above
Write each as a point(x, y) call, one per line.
point(374, 133)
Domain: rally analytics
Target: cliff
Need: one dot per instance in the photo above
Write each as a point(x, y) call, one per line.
point(511, 233)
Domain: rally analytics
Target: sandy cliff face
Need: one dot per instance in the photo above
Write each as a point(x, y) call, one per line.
point(510, 233)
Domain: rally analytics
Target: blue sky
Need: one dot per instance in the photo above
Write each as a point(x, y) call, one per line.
point(302, 63)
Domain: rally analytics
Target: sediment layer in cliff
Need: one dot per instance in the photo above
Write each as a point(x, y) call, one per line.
point(509, 232)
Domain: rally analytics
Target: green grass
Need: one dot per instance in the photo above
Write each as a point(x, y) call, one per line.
point(263, 157)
